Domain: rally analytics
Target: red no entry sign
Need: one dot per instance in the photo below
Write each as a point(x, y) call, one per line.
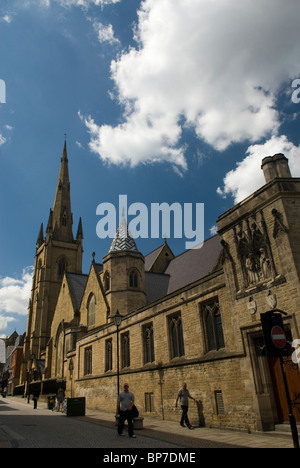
point(278, 337)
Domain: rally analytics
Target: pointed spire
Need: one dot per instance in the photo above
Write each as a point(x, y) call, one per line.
point(79, 235)
point(62, 215)
point(50, 223)
point(40, 238)
point(123, 239)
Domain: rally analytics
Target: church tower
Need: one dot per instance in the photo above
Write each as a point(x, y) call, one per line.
point(56, 252)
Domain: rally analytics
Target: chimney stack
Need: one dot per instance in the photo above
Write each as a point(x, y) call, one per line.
point(276, 166)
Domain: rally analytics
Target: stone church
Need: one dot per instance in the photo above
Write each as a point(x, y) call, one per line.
point(191, 318)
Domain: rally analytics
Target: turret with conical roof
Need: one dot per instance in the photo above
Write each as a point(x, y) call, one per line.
point(124, 273)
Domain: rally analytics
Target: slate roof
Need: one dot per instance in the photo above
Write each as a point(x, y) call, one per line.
point(184, 269)
point(157, 286)
point(151, 257)
point(193, 264)
point(77, 284)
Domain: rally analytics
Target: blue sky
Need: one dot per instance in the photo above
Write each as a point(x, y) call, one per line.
point(161, 100)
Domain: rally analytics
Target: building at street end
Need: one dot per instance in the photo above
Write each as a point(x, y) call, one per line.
point(193, 318)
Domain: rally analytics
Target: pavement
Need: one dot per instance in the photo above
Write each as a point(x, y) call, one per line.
point(171, 431)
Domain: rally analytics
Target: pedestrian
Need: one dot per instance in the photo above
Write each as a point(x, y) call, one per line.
point(60, 398)
point(124, 410)
point(35, 397)
point(184, 395)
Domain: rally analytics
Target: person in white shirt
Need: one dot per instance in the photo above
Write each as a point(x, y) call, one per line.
point(124, 409)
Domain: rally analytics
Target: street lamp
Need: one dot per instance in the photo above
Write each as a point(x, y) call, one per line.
point(71, 368)
point(117, 318)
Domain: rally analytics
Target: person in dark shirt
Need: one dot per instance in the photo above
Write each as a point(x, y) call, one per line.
point(184, 395)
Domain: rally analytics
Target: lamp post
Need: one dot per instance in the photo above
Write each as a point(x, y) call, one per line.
point(71, 368)
point(117, 318)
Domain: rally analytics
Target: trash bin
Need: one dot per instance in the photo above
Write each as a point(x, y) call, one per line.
point(51, 401)
point(76, 406)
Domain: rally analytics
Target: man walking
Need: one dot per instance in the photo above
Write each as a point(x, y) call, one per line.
point(184, 396)
point(124, 409)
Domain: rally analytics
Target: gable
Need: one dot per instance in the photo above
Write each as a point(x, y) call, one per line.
point(94, 287)
point(158, 260)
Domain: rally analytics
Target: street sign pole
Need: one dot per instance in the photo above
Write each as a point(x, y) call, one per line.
point(275, 340)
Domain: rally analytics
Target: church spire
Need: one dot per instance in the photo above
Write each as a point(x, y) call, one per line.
point(62, 219)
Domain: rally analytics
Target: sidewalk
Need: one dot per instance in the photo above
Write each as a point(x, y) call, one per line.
point(165, 429)
point(170, 431)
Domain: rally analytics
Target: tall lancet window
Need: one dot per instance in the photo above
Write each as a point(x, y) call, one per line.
point(64, 219)
point(91, 310)
point(60, 353)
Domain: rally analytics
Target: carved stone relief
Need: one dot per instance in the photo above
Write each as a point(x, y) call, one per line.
point(254, 250)
point(278, 223)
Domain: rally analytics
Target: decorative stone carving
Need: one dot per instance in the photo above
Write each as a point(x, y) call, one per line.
point(252, 306)
point(271, 300)
point(278, 223)
point(254, 250)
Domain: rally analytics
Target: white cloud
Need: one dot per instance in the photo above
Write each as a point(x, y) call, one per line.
point(85, 3)
point(15, 294)
point(7, 18)
point(4, 321)
point(247, 176)
point(2, 140)
point(213, 230)
point(105, 33)
point(215, 66)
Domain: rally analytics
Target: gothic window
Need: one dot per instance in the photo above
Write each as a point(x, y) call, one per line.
point(62, 265)
point(176, 336)
point(91, 310)
point(59, 353)
point(148, 341)
point(106, 281)
point(133, 279)
point(125, 350)
point(108, 355)
point(88, 360)
point(149, 402)
point(213, 328)
point(39, 272)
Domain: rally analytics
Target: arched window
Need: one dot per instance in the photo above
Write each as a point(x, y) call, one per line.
point(62, 266)
point(91, 310)
point(133, 279)
point(59, 353)
point(106, 281)
point(176, 336)
point(213, 326)
point(148, 338)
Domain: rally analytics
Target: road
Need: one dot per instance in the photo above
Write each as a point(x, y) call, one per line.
point(23, 427)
